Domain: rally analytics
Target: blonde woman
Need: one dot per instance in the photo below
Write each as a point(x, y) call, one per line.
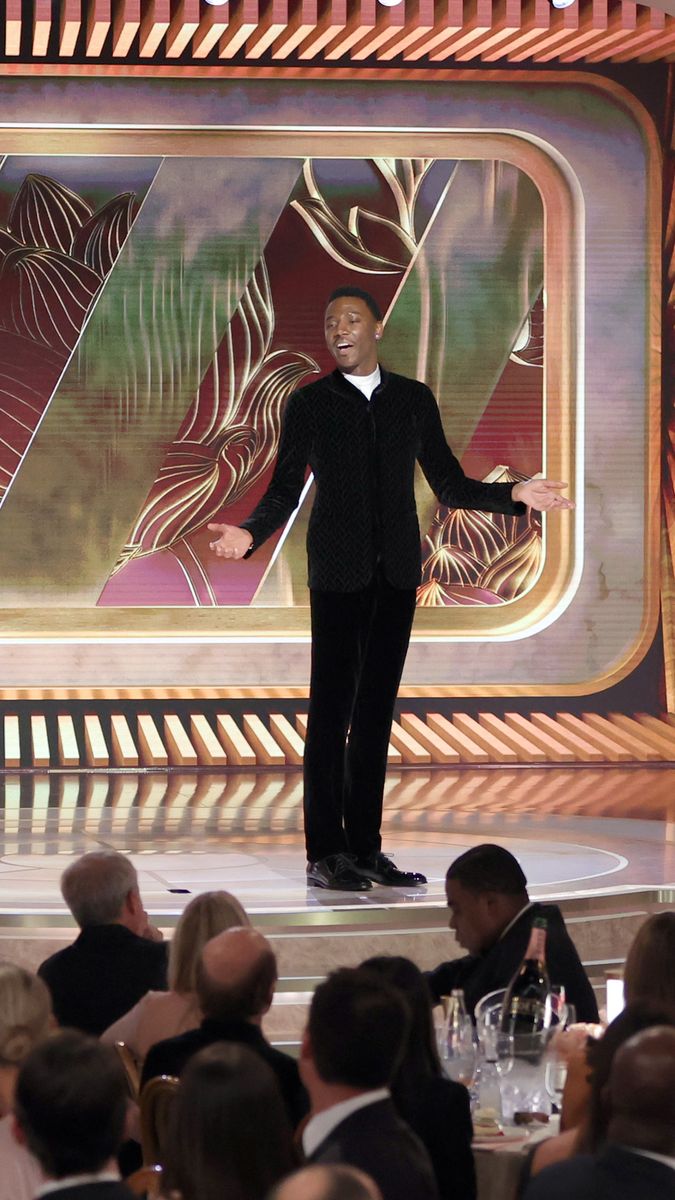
point(25, 1020)
point(160, 1015)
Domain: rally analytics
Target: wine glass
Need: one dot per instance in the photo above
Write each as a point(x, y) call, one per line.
point(460, 1054)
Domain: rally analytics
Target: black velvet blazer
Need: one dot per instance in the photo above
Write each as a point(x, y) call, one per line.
point(362, 455)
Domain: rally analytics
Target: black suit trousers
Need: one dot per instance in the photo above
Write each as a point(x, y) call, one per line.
point(359, 643)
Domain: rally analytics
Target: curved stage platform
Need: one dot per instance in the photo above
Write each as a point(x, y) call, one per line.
point(600, 841)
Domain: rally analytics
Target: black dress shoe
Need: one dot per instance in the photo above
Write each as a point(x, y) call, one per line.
point(337, 872)
point(381, 869)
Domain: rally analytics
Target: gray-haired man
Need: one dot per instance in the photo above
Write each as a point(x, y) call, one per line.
point(118, 956)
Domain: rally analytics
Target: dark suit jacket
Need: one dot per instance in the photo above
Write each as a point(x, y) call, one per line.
point(94, 1191)
point(102, 975)
point(170, 1056)
point(362, 454)
point(440, 1114)
point(616, 1173)
point(376, 1140)
point(480, 974)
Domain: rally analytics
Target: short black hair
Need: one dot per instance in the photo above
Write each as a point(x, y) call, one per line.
point(488, 868)
point(71, 1102)
point(360, 294)
point(358, 1024)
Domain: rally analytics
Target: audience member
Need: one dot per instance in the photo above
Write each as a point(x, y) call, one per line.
point(585, 1115)
point(491, 915)
point(649, 973)
point(326, 1183)
point(351, 1048)
point(638, 1159)
point(229, 1134)
point(160, 1015)
point(70, 1107)
point(235, 982)
point(25, 1020)
point(436, 1108)
point(118, 955)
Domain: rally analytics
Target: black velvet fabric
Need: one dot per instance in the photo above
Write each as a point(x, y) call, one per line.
point(362, 454)
point(359, 644)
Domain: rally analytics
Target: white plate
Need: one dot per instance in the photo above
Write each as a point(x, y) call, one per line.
point(510, 1133)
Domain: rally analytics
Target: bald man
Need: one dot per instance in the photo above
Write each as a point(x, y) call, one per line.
point(334, 1182)
point(638, 1159)
point(236, 976)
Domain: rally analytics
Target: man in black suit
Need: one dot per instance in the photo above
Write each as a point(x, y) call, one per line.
point(361, 430)
point(638, 1161)
point(492, 915)
point(354, 1038)
point(235, 988)
point(70, 1111)
point(118, 956)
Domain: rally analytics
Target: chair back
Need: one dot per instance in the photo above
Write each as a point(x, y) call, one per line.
point(131, 1069)
point(156, 1101)
point(146, 1181)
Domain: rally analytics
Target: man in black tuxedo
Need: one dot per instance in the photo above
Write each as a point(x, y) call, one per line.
point(118, 956)
point(361, 430)
point(492, 915)
point(235, 987)
point(638, 1160)
point(354, 1038)
point(70, 1110)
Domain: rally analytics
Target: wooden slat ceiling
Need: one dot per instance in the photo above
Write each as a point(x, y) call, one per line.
point(334, 32)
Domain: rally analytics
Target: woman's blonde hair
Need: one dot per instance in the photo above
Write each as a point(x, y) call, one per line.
point(25, 1013)
point(204, 917)
point(649, 974)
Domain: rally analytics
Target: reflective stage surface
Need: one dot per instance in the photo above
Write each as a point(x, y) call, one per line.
point(579, 832)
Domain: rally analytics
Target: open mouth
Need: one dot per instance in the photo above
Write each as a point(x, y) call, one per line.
point(341, 347)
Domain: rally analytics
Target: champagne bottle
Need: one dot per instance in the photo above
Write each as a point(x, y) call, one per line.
point(526, 1011)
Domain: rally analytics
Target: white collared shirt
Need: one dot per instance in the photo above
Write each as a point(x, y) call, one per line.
point(366, 383)
point(517, 917)
point(71, 1181)
point(318, 1128)
point(666, 1159)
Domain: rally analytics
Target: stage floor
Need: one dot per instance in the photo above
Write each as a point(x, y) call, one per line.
point(578, 832)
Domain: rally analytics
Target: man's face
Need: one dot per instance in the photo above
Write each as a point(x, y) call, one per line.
point(474, 917)
point(352, 334)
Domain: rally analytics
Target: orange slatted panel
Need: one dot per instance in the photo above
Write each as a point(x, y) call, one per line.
point(649, 22)
point(389, 22)
point(302, 21)
point(243, 22)
point(182, 28)
point(13, 26)
point(273, 21)
point(125, 25)
point(506, 21)
point(563, 21)
point(468, 749)
point(42, 25)
point(661, 46)
point(449, 21)
point(179, 748)
point(653, 48)
point(440, 750)
point(477, 22)
point(611, 747)
point(526, 750)
point(70, 23)
point(291, 743)
point(551, 746)
point(630, 733)
point(212, 26)
point(411, 750)
point(497, 749)
point(535, 19)
point(593, 20)
point(623, 17)
point(332, 22)
point(154, 24)
point(420, 17)
point(151, 748)
point(98, 25)
point(581, 748)
point(361, 19)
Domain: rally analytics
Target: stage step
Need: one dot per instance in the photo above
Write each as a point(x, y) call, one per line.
point(123, 742)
